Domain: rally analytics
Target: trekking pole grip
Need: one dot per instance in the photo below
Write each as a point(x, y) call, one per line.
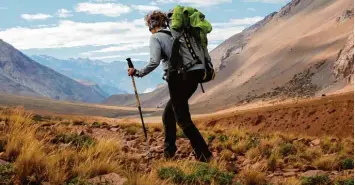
point(130, 64)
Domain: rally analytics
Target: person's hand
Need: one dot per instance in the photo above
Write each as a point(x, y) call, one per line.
point(131, 71)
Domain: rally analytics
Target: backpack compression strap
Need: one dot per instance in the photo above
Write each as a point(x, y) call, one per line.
point(192, 52)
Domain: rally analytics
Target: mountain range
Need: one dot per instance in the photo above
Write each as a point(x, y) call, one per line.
point(111, 77)
point(304, 50)
point(21, 75)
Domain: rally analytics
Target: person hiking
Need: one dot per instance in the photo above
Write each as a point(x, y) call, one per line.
point(181, 87)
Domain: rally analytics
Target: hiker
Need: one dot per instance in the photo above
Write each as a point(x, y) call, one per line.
point(181, 87)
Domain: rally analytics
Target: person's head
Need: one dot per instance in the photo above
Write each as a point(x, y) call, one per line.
point(156, 20)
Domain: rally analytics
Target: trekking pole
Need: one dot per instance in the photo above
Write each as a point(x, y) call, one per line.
point(130, 65)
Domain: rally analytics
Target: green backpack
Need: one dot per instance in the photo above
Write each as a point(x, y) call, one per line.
point(191, 23)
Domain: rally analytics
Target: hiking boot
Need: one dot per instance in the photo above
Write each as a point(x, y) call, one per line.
point(202, 153)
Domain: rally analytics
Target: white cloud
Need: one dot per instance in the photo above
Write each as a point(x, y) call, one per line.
point(148, 90)
point(224, 30)
point(75, 34)
point(269, 1)
point(242, 21)
point(105, 57)
point(220, 34)
point(108, 9)
point(39, 16)
point(145, 8)
point(123, 47)
point(123, 36)
point(196, 2)
point(63, 13)
point(212, 46)
point(139, 54)
point(251, 9)
point(104, 1)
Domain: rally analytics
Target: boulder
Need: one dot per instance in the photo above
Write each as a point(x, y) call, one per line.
point(2, 162)
point(289, 174)
point(111, 178)
point(316, 142)
point(311, 173)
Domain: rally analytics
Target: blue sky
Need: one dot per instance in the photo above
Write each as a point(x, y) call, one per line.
point(112, 30)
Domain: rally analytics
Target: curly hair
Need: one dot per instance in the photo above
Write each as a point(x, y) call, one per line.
point(156, 18)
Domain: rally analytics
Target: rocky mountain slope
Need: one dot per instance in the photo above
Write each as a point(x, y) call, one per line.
point(111, 77)
point(22, 75)
point(157, 98)
point(304, 50)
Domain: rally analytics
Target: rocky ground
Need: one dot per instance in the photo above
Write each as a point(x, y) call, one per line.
point(85, 150)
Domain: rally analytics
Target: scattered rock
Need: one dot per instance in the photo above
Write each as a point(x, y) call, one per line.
point(311, 173)
point(151, 140)
point(232, 167)
point(291, 170)
point(334, 172)
point(2, 155)
point(307, 168)
point(2, 162)
point(246, 162)
point(241, 158)
point(289, 174)
point(114, 129)
point(112, 179)
point(157, 149)
point(89, 130)
point(316, 142)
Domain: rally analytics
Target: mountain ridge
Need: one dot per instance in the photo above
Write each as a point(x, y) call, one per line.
point(24, 76)
point(288, 54)
point(111, 77)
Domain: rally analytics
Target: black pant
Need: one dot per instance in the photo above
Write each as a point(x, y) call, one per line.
point(181, 88)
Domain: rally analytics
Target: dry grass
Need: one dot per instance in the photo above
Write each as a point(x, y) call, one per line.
point(36, 157)
point(241, 147)
point(252, 153)
point(38, 160)
point(252, 177)
point(330, 162)
point(290, 181)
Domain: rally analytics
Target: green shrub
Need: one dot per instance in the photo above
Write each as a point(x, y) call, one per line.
point(287, 149)
point(132, 129)
point(74, 139)
point(173, 173)
point(253, 141)
point(77, 181)
point(347, 163)
point(316, 180)
point(6, 174)
point(272, 162)
point(96, 124)
point(78, 122)
point(345, 182)
point(223, 138)
point(203, 174)
point(210, 138)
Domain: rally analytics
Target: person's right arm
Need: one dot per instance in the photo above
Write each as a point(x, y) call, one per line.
point(155, 57)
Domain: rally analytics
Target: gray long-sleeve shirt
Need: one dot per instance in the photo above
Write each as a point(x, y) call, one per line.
point(160, 45)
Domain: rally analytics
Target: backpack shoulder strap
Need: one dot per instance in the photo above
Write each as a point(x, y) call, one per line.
point(166, 32)
point(166, 57)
